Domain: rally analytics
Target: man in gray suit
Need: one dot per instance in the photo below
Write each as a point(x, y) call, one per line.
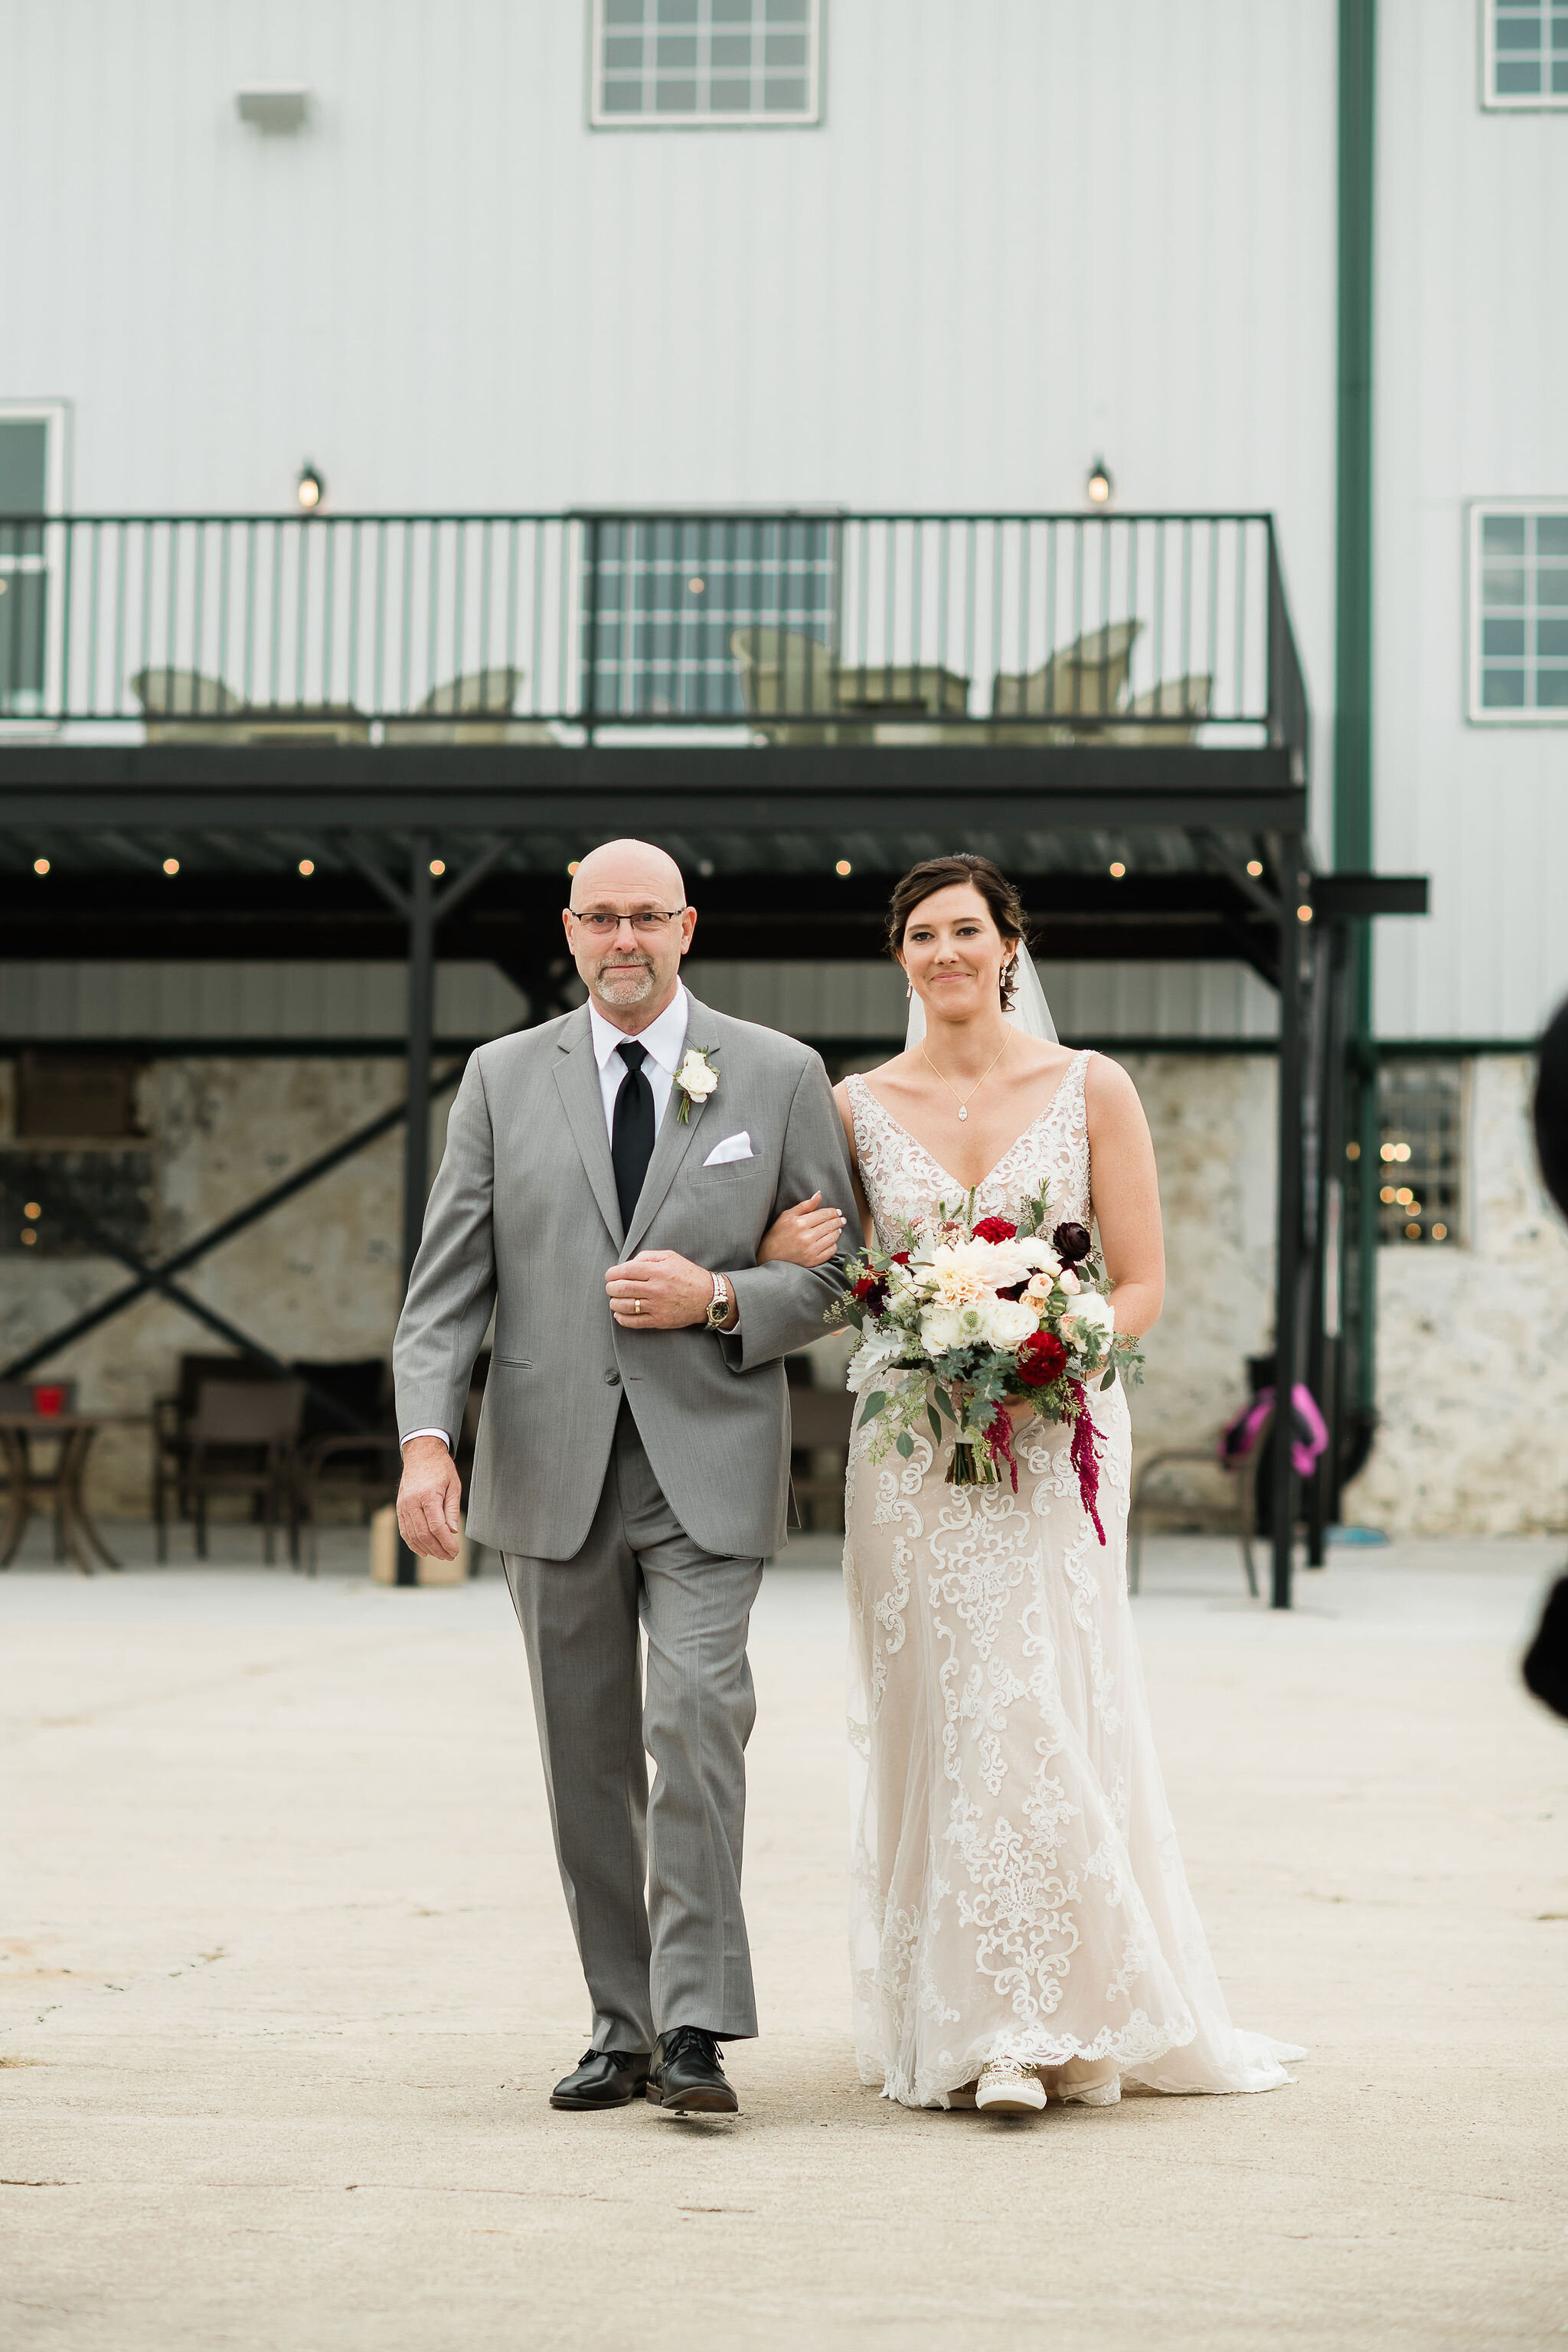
point(608, 1182)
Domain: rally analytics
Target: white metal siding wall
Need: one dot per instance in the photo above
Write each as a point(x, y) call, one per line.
point(1471, 360)
point(232, 1000)
point(343, 1001)
point(1027, 233)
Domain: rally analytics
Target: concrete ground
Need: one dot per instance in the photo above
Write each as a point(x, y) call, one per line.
point(285, 1977)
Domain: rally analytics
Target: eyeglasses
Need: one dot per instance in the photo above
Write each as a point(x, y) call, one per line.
point(649, 922)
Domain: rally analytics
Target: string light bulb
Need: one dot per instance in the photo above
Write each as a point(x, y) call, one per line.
point(309, 489)
point(171, 864)
point(1099, 485)
point(306, 865)
point(40, 865)
point(843, 866)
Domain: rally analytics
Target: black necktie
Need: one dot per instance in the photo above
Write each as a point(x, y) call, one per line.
point(631, 1133)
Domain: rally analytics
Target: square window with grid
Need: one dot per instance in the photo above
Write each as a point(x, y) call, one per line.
point(1519, 612)
point(1421, 1121)
point(683, 618)
point(714, 61)
point(1524, 52)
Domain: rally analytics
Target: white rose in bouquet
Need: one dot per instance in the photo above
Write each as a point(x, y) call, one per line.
point(1038, 1255)
point(940, 1330)
point(1011, 1321)
point(1091, 1316)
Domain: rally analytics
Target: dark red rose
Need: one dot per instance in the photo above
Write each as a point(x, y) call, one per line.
point(900, 1258)
point(871, 1290)
point(1072, 1243)
point(994, 1229)
point(1041, 1359)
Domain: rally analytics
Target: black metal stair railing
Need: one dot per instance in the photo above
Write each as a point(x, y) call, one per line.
point(797, 626)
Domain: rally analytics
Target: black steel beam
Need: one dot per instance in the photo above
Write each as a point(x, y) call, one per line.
point(832, 789)
point(1348, 897)
point(1289, 1234)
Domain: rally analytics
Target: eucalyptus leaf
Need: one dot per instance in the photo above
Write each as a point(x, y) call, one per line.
point(1110, 1376)
point(934, 1419)
point(906, 1445)
point(874, 1404)
point(941, 1398)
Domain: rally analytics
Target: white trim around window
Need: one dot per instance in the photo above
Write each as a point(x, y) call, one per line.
point(34, 480)
point(1517, 606)
point(1524, 54)
point(704, 65)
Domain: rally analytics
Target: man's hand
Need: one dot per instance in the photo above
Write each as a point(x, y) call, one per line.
point(673, 1291)
point(427, 1500)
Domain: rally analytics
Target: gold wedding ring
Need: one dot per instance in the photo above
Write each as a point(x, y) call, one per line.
point(637, 1306)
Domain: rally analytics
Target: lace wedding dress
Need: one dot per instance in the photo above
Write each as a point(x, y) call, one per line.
point(1018, 1892)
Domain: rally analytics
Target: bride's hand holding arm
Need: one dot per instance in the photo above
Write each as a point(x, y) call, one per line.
point(808, 1234)
point(1126, 1196)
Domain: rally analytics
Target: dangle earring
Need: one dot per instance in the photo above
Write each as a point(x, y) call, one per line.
point(910, 989)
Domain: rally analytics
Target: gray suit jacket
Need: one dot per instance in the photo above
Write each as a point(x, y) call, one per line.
point(523, 1218)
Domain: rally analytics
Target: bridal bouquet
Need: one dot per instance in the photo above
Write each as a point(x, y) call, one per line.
point(967, 1318)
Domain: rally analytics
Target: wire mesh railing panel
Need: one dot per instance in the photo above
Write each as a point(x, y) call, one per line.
point(825, 626)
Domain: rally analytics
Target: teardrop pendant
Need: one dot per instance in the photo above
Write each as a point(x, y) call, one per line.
point(963, 1111)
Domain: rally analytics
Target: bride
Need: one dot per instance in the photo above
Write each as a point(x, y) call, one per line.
point(1022, 1926)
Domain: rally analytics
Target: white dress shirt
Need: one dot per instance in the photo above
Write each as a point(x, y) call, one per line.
point(661, 1041)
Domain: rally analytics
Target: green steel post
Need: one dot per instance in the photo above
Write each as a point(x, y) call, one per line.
point(1353, 617)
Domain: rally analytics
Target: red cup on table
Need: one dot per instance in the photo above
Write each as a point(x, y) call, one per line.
point(48, 1399)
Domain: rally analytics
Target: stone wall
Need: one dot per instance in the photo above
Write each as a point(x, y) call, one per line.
point(1474, 1365)
point(318, 1277)
point(1472, 1345)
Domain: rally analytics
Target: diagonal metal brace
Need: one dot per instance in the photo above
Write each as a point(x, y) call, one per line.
point(153, 1278)
point(99, 1239)
point(446, 900)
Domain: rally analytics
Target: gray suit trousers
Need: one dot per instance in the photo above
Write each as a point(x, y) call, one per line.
point(680, 1955)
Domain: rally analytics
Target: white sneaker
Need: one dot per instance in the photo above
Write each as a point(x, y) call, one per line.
point(1009, 2087)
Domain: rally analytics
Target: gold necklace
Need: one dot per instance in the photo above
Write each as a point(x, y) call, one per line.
point(964, 1101)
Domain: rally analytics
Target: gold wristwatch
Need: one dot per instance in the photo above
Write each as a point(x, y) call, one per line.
point(718, 1307)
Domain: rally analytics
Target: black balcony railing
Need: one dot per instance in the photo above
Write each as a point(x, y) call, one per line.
point(795, 627)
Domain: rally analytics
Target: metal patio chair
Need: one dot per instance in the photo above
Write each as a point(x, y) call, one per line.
point(1243, 1478)
point(785, 670)
point(243, 1442)
point(475, 708)
point(1174, 698)
point(1086, 679)
point(184, 706)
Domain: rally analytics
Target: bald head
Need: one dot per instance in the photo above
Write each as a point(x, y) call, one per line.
point(630, 872)
point(632, 966)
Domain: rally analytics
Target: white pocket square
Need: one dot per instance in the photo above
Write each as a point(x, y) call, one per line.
point(735, 1146)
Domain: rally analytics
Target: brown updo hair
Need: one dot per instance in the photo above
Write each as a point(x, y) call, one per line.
point(934, 874)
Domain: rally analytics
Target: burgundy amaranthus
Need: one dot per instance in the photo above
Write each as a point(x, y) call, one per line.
point(999, 1438)
point(1084, 1458)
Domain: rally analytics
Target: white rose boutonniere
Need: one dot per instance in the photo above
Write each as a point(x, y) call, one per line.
point(697, 1079)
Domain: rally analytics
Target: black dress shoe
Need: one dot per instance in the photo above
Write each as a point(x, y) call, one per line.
point(684, 2074)
point(604, 2078)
